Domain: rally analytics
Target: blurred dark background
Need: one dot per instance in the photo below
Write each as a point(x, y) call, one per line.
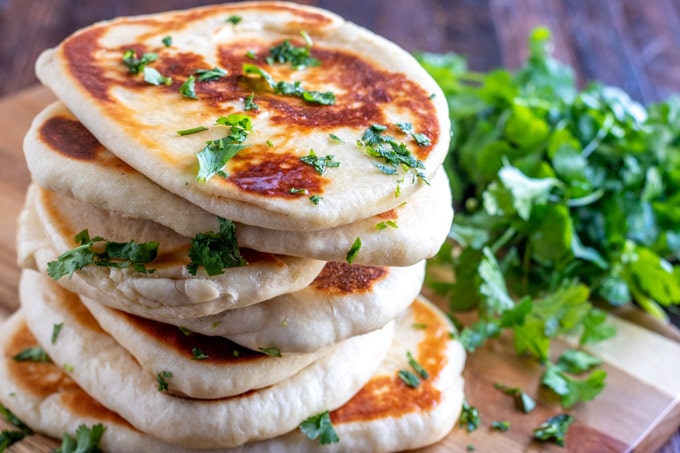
point(628, 43)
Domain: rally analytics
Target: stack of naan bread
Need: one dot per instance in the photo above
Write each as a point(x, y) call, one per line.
point(331, 209)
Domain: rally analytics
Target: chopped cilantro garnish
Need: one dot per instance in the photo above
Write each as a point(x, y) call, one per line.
point(250, 54)
point(469, 417)
point(298, 191)
point(501, 425)
point(153, 77)
point(522, 401)
point(271, 351)
point(408, 378)
point(167, 41)
point(68, 368)
point(394, 154)
point(185, 330)
point(162, 378)
point(335, 138)
point(193, 130)
point(56, 329)
point(209, 75)
point(319, 427)
point(115, 254)
point(234, 19)
point(249, 103)
point(14, 420)
point(416, 366)
point(214, 156)
point(354, 250)
point(291, 89)
point(554, 429)
point(315, 199)
point(570, 389)
point(8, 438)
point(188, 88)
point(197, 354)
point(297, 57)
point(136, 65)
point(34, 354)
point(215, 251)
point(320, 163)
point(86, 440)
point(387, 223)
point(269, 143)
point(421, 139)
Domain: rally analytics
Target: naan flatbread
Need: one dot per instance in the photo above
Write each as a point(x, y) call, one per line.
point(64, 157)
point(343, 301)
point(227, 369)
point(114, 378)
point(373, 81)
point(49, 401)
point(50, 221)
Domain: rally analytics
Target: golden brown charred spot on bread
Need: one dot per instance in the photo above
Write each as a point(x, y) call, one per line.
point(81, 404)
point(219, 350)
point(38, 378)
point(388, 396)
point(70, 138)
point(342, 278)
point(80, 53)
point(274, 172)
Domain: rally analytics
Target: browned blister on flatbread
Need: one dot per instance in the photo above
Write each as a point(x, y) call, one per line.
point(265, 184)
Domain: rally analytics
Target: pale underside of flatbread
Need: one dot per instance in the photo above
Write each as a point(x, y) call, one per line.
point(64, 157)
point(373, 80)
point(50, 221)
point(343, 301)
point(222, 368)
point(385, 415)
point(112, 376)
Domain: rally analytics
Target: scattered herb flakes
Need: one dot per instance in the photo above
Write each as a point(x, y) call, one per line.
point(416, 366)
point(136, 65)
point(419, 326)
point(501, 425)
point(209, 75)
point(394, 154)
point(354, 250)
point(523, 402)
point(185, 330)
point(298, 57)
point(320, 164)
point(554, 429)
point(469, 417)
point(387, 223)
point(86, 440)
point(167, 41)
point(32, 354)
point(215, 251)
point(470, 447)
point(68, 368)
point(197, 354)
point(408, 378)
point(421, 139)
point(115, 254)
point(298, 191)
point(315, 199)
point(271, 351)
point(291, 89)
point(8, 438)
point(188, 88)
point(153, 77)
point(249, 103)
point(234, 20)
point(56, 329)
point(577, 361)
point(319, 427)
point(193, 130)
point(14, 420)
point(162, 379)
point(250, 54)
point(335, 138)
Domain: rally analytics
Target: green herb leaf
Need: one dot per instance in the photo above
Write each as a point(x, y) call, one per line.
point(421, 139)
point(234, 19)
point(315, 199)
point(572, 390)
point(394, 154)
point(14, 420)
point(167, 41)
point(8, 438)
point(86, 440)
point(298, 57)
point(523, 402)
point(193, 130)
point(249, 103)
point(162, 378)
point(214, 156)
point(56, 329)
point(209, 75)
point(416, 366)
point(576, 361)
point(215, 251)
point(136, 65)
point(319, 427)
point(188, 88)
point(290, 89)
point(271, 351)
point(354, 250)
point(408, 378)
point(153, 77)
point(554, 429)
point(469, 417)
point(197, 354)
point(33, 354)
point(501, 425)
point(320, 164)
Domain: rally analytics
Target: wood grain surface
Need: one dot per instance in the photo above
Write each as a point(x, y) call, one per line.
point(627, 43)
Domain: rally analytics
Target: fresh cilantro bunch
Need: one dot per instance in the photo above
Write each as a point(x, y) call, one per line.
point(562, 186)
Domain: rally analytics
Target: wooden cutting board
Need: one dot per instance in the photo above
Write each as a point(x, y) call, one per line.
point(638, 410)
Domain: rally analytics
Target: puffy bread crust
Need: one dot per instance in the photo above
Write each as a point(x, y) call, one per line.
point(374, 80)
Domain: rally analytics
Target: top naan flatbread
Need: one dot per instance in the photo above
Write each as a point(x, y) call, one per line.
point(373, 81)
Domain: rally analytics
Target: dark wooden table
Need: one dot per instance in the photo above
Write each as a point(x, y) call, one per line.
point(631, 44)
